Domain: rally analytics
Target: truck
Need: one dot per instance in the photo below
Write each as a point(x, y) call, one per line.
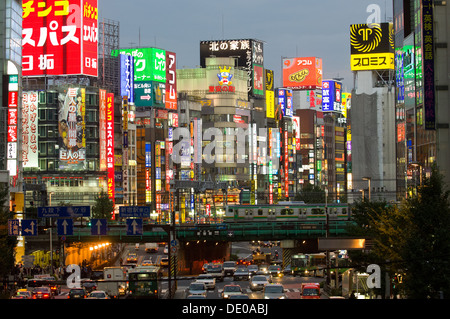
point(310, 291)
point(114, 281)
point(151, 247)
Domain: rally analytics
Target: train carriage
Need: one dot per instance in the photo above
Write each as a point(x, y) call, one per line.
point(286, 211)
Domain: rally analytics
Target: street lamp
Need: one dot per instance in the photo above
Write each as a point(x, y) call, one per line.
point(367, 179)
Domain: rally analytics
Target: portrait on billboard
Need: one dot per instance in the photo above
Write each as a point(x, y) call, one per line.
point(72, 152)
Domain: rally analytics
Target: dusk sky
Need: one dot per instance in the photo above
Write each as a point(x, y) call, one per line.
point(288, 28)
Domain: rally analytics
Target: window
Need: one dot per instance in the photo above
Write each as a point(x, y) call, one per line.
point(260, 212)
point(317, 211)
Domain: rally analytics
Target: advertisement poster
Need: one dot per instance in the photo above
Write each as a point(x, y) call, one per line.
point(71, 128)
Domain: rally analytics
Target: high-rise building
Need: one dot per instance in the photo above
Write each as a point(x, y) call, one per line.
point(421, 91)
point(371, 114)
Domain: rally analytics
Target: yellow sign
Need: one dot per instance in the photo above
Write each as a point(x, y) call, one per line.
point(372, 61)
point(270, 104)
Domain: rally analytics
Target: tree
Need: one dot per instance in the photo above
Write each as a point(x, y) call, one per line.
point(427, 248)
point(412, 239)
point(7, 243)
point(103, 207)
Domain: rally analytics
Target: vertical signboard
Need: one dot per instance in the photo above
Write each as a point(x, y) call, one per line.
point(110, 144)
point(171, 81)
point(59, 37)
point(12, 139)
point(148, 172)
point(331, 96)
point(72, 152)
point(127, 77)
point(428, 64)
point(30, 136)
point(102, 129)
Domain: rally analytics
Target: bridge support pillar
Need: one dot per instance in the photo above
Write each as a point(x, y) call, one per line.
point(288, 249)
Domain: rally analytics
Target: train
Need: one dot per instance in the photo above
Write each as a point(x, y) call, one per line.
point(287, 211)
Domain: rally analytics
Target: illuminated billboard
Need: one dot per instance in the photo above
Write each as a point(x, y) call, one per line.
point(127, 76)
point(171, 81)
point(102, 129)
point(249, 55)
point(71, 127)
point(59, 37)
point(110, 144)
point(372, 46)
point(302, 73)
point(285, 102)
point(149, 63)
point(331, 96)
point(30, 136)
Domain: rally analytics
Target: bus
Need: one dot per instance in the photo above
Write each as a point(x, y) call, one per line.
point(309, 265)
point(145, 282)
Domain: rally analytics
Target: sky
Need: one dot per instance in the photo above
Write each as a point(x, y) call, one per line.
point(288, 28)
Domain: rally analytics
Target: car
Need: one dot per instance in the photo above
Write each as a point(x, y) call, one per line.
point(89, 285)
point(229, 268)
point(253, 269)
point(274, 291)
point(136, 246)
point(164, 262)
point(208, 280)
point(77, 293)
point(131, 258)
point(275, 271)
point(263, 269)
point(205, 268)
point(241, 274)
point(147, 262)
point(230, 290)
point(216, 270)
point(197, 289)
point(166, 249)
point(51, 282)
point(22, 294)
point(258, 282)
point(42, 293)
point(98, 294)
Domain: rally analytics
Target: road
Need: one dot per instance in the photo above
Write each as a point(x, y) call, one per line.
point(242, 250)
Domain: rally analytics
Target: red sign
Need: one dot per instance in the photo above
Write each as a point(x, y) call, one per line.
point(12, 133)
point(59, 37)
point(171, 81)
point(302, 73)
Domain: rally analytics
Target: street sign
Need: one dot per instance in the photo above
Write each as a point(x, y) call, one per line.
point(134, 211)
point(64, 211)
point(134, 226)
point(29, 227)
point(99, 227)
point(65, 226)
point(13, 227)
